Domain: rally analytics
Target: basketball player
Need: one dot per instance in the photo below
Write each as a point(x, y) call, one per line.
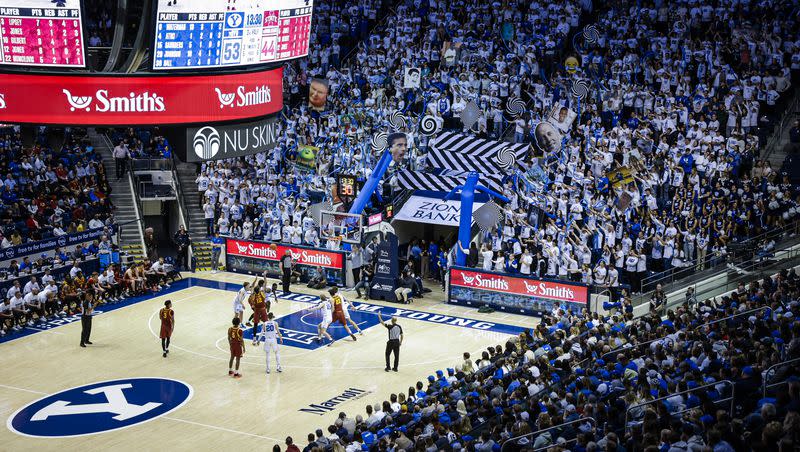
point(272, 296)
point(258, 301)
point(338, 310)
point(167, 316)
point(346, 309)
point(236, 343)
point(238, 301)
point(271, 334)
point(256, 286)
point(327, 318)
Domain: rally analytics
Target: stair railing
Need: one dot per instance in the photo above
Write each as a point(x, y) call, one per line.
point(137, 201)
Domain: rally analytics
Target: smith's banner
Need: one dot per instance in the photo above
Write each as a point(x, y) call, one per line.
point(146, 100)
point(257, 257)
point(514, 293)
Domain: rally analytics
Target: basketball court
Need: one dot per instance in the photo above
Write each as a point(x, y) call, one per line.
point(257, 410)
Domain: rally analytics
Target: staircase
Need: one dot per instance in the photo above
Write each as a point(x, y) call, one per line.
point(201, 246)
point(130, 240)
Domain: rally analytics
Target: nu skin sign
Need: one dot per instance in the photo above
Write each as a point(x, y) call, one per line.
point(213, 142)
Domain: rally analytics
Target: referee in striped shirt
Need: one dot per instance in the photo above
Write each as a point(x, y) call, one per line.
point(394, 342)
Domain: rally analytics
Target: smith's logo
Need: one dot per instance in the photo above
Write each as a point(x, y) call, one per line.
point(243, 98)
point(206, 143)
point(305, 257)
point(104, 103)
point(330, 404)
point(485, 283)
point(225, 99)
point(541, 289)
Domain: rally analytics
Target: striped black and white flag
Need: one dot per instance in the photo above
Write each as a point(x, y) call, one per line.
point(454, 151)
point(417, 180)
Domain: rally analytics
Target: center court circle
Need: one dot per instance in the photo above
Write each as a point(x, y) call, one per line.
point(99, 407)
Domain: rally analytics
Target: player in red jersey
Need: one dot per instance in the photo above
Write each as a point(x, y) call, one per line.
point(236, 343)
point(167, 316)
point(259, 304)
point(338, 310)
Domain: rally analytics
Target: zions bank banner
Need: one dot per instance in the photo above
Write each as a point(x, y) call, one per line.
point(133, 100)
point(246, 256)
point(423, 209)
point(514, 293)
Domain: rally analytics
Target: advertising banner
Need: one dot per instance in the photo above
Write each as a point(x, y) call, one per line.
point(232, 140)
point(422, 209)
point(515, 294)
point(387, 268)
point(245, 256)
point(131, 100)
point(65, 241)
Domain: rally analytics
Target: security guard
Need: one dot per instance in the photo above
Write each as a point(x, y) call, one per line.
point(87, 306)
point(394, 342)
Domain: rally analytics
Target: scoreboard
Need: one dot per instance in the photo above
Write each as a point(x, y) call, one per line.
point(229, 33)
point(41, 33)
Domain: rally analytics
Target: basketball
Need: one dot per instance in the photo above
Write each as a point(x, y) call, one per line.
point(273, 247)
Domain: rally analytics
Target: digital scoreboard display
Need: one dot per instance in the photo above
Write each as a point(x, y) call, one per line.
point(229, 33)
point(41, 33)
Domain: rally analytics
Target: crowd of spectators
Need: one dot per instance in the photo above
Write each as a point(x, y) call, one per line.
point(98, 19)
point(39, 292)
point(136, 143)
point(50, 190)
point(660, 170)
point(691, 381)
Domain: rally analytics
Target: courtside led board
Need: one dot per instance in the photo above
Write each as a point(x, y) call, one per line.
point(229, 33)
point(41, 33)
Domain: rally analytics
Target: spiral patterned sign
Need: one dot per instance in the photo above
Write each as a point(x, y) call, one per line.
point(397, 120)
point(515, 107)
point(506, 159)
point(590, 34)
point(580, 88)
point(428, 125)
point(379, 141)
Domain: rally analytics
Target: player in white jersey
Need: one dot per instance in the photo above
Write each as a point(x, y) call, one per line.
point(346, 310)
point(327, 318)
point(272, 333)
point(238, 302)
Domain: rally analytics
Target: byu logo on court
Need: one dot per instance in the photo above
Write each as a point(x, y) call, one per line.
point(100, 407)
